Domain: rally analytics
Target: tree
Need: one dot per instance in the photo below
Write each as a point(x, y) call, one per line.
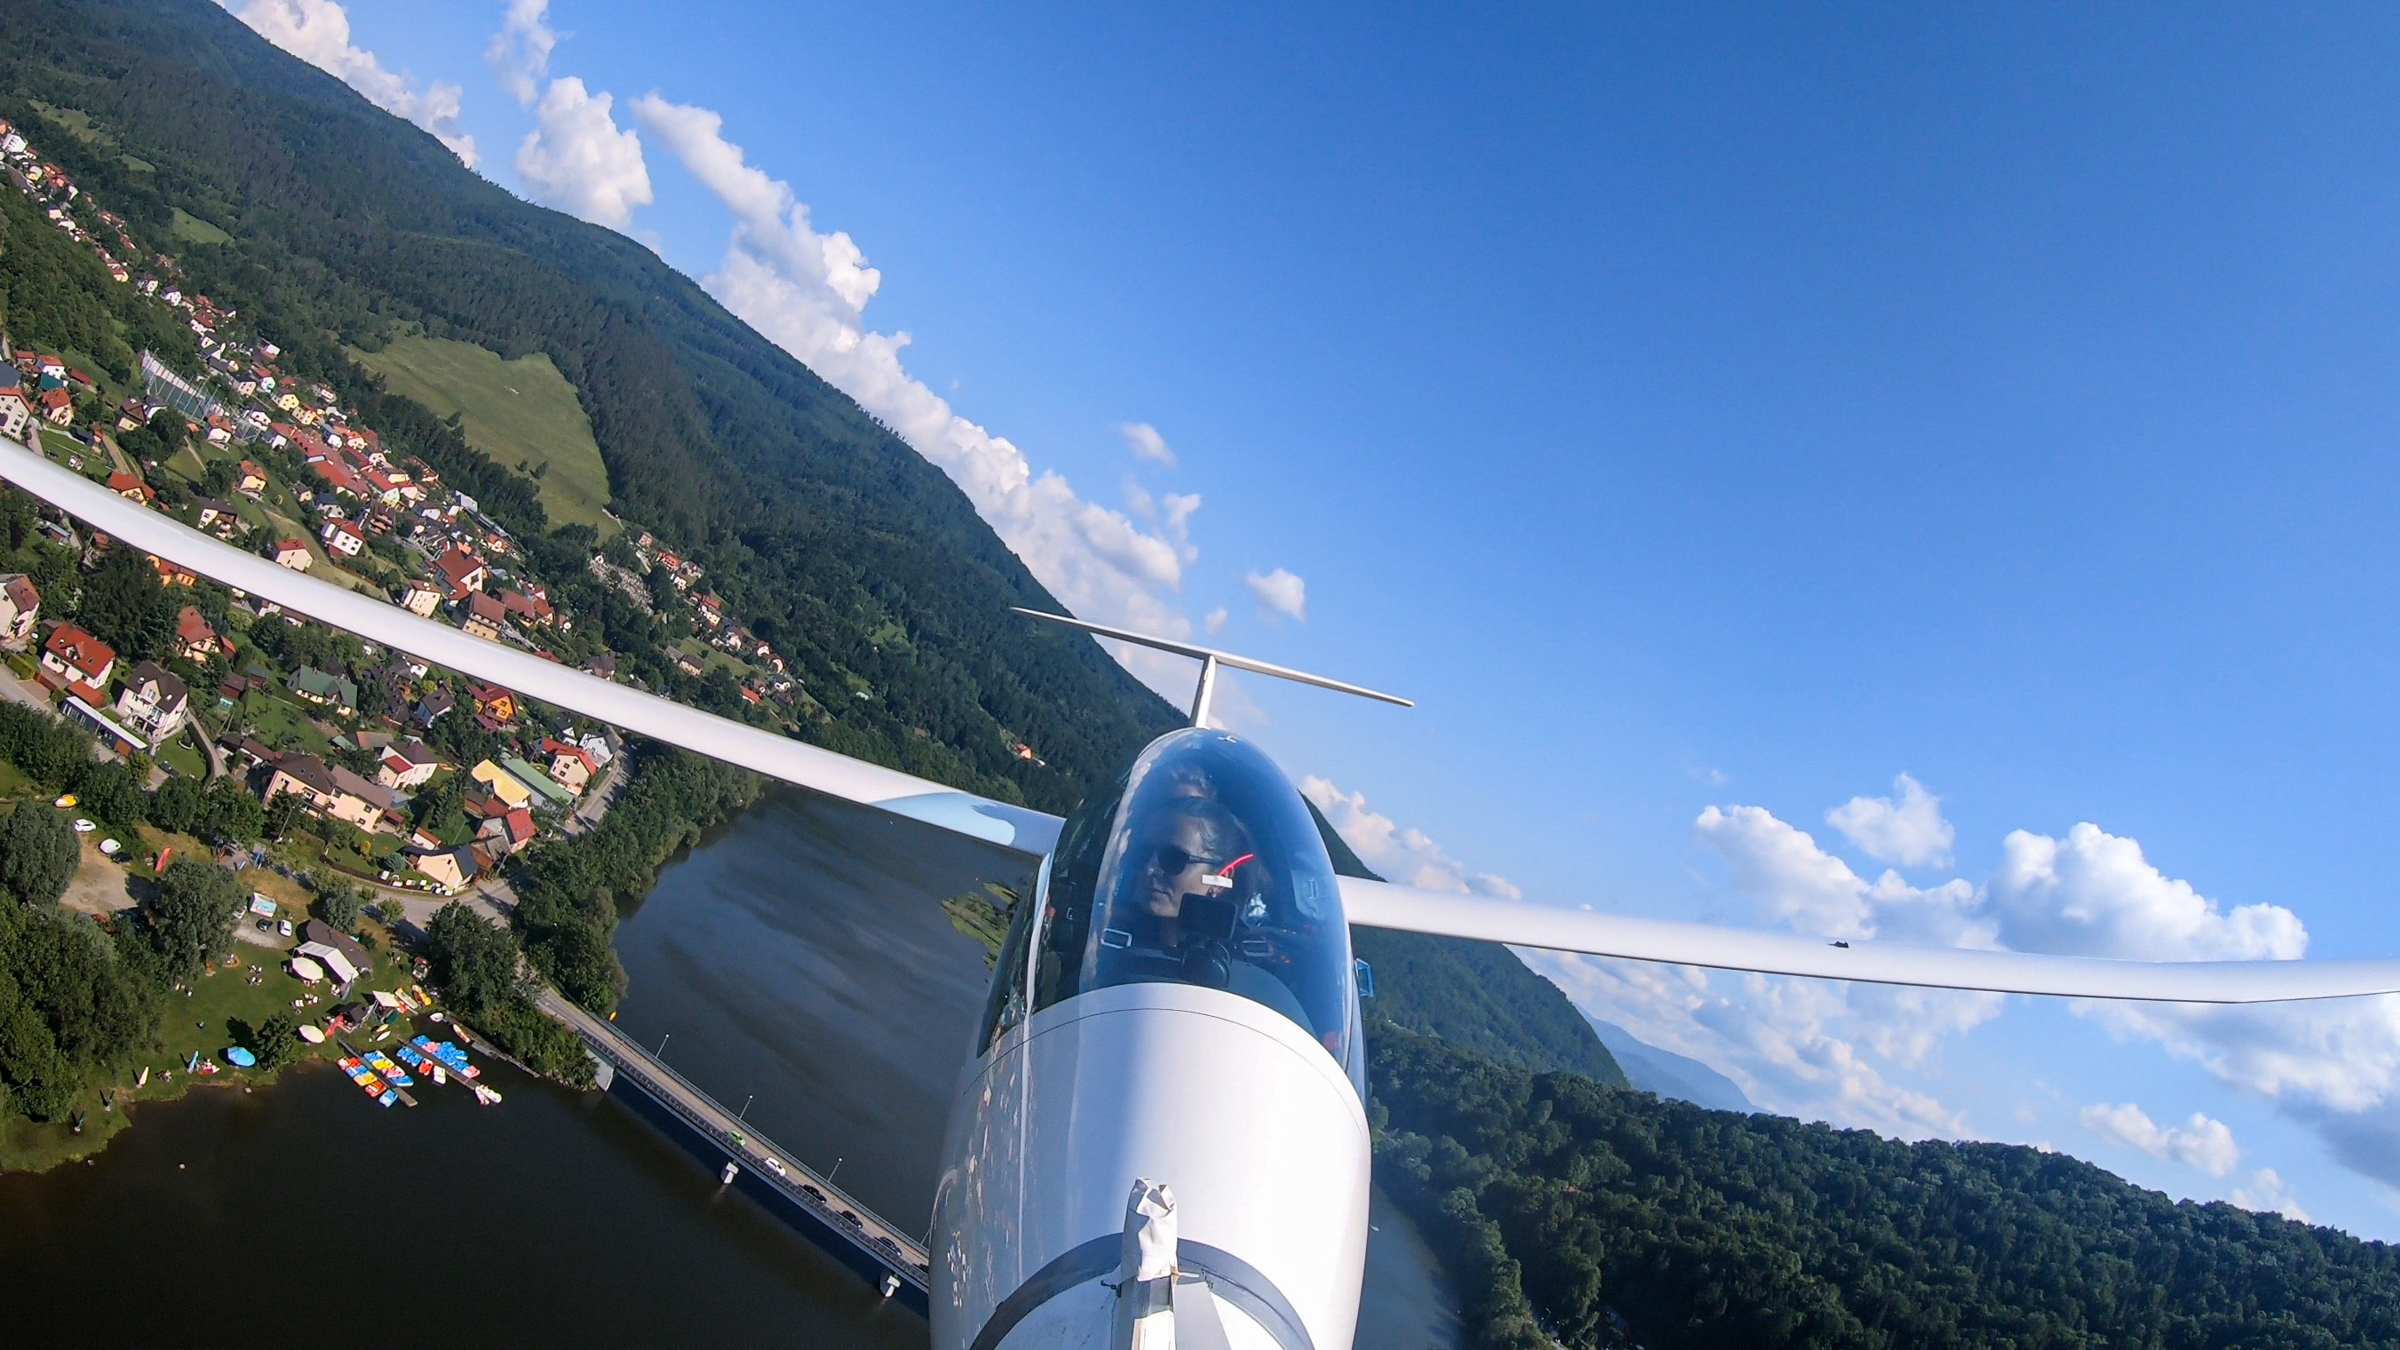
point(278, 1042)
point(193, 916)
point(229, 813)
point(176, 805)
point(38, 855)
point(125, 606)
point(474, 964)
point(337, 904)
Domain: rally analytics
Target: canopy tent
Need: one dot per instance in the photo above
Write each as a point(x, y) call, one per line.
point(331, 959)
point(307, 969)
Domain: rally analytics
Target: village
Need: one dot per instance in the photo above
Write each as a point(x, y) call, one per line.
point(409, 778)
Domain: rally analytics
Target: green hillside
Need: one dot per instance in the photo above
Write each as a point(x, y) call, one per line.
point(1556, 1201)
point(522, 413)
point(350, 228)
point(1477, 995)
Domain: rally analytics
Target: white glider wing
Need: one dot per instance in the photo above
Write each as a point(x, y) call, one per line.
point(1378, 904)
point(380, 621)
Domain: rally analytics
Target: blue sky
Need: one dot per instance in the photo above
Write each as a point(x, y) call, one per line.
point(1729, 411)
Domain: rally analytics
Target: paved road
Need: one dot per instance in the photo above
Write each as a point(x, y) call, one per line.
point(905, 1256)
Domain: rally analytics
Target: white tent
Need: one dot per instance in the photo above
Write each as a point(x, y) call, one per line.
point(331, 959)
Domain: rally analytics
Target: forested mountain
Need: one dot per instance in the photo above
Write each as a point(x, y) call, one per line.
point(1582, 1214)
point(348, 226)
point(1473, 994)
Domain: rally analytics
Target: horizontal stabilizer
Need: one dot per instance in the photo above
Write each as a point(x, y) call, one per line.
point(1210, 658)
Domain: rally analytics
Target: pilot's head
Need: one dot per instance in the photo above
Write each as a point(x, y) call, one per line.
point(1186, 847)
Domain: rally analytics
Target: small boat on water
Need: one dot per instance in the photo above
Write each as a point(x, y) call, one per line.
point(367, 1080)
point(485, 1095)
point(382, 1064)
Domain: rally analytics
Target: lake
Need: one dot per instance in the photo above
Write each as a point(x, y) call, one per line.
point(797, 963)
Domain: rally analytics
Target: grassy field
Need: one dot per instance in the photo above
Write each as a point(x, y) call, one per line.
point(522, 413)
point(192, 229)
point(201, 1022)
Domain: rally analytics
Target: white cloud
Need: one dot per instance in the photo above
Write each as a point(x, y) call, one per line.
point(318, 32)
point(1215, 622)
point(519, 53)
point(1404, 856)
point(1279, 593)
point(1146, 444)
point(807, 292)
point(2266, 1192)
point(2201, 1143)
point(2094, 894)
point(579, 160)
point(1910, 832)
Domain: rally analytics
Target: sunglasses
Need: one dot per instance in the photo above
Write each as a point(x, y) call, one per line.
point(1171, 859)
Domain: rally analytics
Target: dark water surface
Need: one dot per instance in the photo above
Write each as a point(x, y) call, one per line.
point(798, 960)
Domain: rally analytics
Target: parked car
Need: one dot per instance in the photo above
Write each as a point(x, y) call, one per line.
point(83, 826)
point(284, 929)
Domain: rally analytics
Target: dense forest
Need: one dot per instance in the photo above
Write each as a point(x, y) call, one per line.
point(845, 548)
point(1588, 1215)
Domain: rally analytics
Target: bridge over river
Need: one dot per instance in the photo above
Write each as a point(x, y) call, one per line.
point(875, 1247)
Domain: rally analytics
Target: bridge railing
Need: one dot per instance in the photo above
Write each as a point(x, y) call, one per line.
point(670, 1088)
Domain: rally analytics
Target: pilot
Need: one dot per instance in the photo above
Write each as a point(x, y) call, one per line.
point(1193, 847)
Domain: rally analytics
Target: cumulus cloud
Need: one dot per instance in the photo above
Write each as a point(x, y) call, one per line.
point(1215, 622)
point(1280, 594)
point(519, 54)
point(2094, 894)
point(579, 160)
point(2265, 1192)
point(1405, 856)
point(807, 291)
point(2200, 1143)
point(1909, 831)
point(318, 32)
point(1146, 444)
point(576, 158)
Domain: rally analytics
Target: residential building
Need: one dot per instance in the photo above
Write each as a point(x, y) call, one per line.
point(333, 792)
point(494, 702)
point(510, 832)
point(421, 599)
point(73, 657)
point(129, 486)
point(324, 690)
point(460, 572)
point(344, 538)
point(406, 765)
point(16, 410)
point(502, 783)
point(58, 407)
point(569, 765)
point(484, 617)
point(154, 702)
point(197, 640)
point(20, 607)
point(252, 482)
point(534, 778)
point(434, 707)
point(294, 554)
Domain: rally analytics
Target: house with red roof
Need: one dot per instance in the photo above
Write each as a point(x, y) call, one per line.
point(294, 554)
point(76, 661)
point(129, 486)
point(460, 572)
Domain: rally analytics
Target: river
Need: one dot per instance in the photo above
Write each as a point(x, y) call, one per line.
point(797, 962)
